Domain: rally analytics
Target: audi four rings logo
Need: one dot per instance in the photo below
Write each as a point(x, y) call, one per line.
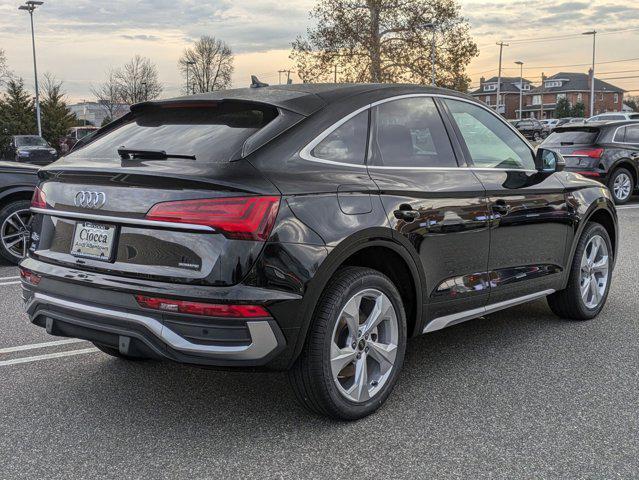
point(86, 199)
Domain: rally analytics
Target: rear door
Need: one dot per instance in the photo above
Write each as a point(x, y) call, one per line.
point(530, 220)
point(173, 208)
point(436, 207)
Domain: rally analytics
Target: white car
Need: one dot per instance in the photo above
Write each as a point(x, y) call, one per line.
point(614, 116)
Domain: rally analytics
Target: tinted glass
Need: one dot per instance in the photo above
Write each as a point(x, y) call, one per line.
point(346, 144)
point(214, 134)
point(410, 133)
point(572, 137)
point(632, 134)
point(489, 140)
point(634, 116)
point(30, 141)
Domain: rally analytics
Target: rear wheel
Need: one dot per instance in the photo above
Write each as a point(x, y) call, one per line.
point(15, 221)
point(536, 136)
point(355, 347)
point(589, 282)
point(621, 184)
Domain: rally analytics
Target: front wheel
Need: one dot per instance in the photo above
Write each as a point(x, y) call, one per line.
point(355, 347)
point(621, 184)
point(590, 274)
point(15, 221)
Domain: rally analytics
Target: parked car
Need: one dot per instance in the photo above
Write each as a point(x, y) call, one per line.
point(613, 116)
point(311, 228)
point(607, 152)
point(17, 184)
point(74, 135)
point(531, 129)
point(549, 125)
point(570, 120)
point(29, 149)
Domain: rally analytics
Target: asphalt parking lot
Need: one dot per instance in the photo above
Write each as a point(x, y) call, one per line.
point(519, 394)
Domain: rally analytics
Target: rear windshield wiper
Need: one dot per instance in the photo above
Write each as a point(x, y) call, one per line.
point(135, 154)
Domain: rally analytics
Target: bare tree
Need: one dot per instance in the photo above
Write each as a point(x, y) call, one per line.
point(137, 81)
point(386, 41)
point(5, 74)
point(107, 95)
point(207, 66)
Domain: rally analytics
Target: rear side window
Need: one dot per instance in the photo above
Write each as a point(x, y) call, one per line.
point(347, 143)
point(410, 133)
point(490, 142)
point(572, 137)
point(212, 133)
point(632, 134)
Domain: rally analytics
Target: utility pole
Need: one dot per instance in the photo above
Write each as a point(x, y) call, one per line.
point(501, 50)
point(592, 79)
point(521, 87)
point(30, 6)
point(543, 88)
point(335, 74)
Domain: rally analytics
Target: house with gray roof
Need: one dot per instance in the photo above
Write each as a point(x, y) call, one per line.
point(509, 94)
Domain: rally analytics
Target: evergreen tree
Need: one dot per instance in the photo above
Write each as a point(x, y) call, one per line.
point(57, 119)
point(17, 113)
point(579, 110)
point(563, 108)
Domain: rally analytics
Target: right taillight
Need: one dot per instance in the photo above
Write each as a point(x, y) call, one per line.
point(589, 152)
point(39, 199)
point(244, 218)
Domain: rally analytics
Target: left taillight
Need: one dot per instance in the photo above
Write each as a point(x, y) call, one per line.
point(242, 218)
point(39, 199)
point(29, 277)
point(202, 309)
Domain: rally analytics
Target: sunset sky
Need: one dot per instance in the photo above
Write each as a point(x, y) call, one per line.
point(79, 40)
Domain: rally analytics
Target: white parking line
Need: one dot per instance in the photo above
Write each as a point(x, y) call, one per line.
point(2, 279)
point(48, 356)
point(33, 346)
point(2, 284)
point(627, 207)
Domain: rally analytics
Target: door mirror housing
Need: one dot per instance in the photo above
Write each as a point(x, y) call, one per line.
point(549, 161)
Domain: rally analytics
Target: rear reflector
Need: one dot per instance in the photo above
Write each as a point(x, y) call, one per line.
point(29, 277)
point(590, 174)
point(205, 309)
point(589, 152)
point(39, 199)
point(243, 218)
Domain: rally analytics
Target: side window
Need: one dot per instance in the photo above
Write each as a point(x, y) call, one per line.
point(410, 133)
point(347, 143)
point(632, 134)
point(490, 142)
point(620, 135)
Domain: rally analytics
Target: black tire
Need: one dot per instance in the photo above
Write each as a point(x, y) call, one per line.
point(611, 185)
point(536, 136)
point(568, 303)
point(114, 352)
point(6, 212)
point(311, 376)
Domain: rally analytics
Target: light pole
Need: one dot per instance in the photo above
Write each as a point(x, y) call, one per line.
point(521, 86)
point(145, 91)
point(431, 26)
point(592, 80)
point(30, 6)
point(188, 64)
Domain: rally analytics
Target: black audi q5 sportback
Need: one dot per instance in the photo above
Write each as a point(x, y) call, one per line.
point(309, 228)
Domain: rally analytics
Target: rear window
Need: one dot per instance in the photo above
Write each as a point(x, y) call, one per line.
point(572, 137)
point(211, 133)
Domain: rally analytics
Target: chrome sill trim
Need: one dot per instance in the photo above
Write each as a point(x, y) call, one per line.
point(455, 318)
point(263, 340)
point(123, 220)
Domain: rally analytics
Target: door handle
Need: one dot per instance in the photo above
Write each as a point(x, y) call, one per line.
point(406, 213)
point(501, 207)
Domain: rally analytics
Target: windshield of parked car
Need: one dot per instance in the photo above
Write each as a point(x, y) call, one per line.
point(31, 141)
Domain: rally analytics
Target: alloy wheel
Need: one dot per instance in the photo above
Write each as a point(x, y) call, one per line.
point(595, 264)
point(14, 232)
point(622, 186)
point(364, 345)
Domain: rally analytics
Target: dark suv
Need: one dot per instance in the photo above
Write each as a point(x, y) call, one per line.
point(531, 129)
point(312, 228)
point(29, 149)
point(608, 152)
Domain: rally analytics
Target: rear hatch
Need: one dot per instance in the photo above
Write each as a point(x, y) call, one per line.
point(578, 145)
point(162, 194)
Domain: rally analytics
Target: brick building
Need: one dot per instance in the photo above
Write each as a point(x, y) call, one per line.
point(510, 89)
point(575, 87)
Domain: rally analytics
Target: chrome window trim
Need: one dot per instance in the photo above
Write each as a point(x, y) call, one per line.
point(305, 153)
point(122, 220)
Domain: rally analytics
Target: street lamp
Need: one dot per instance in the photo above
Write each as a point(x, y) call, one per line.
point(431, 26)
point(188, 64)
point(521, 86)
point(592, 80)
point(30, 6)
point(145, 91)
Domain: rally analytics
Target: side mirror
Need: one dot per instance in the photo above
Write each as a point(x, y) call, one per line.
point(549, 161)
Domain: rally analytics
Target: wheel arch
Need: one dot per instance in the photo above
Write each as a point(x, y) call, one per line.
point(365, 249)
point(15, 193)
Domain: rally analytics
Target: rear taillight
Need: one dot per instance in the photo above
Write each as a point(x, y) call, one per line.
point(204, 309)
point(39, 199)
point(244, 218)
point(589, 152)
point(29, 277)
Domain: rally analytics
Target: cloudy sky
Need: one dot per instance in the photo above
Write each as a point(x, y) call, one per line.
point(78, 40)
